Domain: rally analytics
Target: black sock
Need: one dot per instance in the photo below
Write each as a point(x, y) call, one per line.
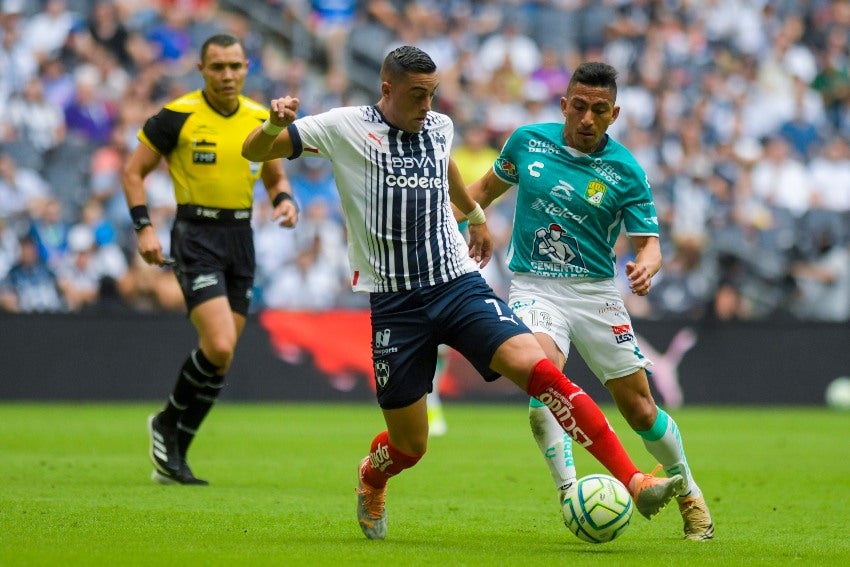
point(194, 375)
point(197, 410)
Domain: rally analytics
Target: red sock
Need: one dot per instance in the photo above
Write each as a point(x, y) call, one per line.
point(581, 418)
point(386, 461)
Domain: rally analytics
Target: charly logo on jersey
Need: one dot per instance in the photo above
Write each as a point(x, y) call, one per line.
point(595, 192)
point(534, 168)
point(622, 333)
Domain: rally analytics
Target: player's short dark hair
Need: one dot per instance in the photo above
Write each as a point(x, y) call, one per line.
point(406, 59)
point(595, 74)
point(221, 40)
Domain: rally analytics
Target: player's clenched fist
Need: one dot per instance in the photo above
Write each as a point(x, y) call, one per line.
point(283, 111)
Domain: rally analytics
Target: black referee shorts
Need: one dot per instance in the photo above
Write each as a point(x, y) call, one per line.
point(214, 259)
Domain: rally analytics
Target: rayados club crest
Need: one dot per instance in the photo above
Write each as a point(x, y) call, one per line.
point(382, 373)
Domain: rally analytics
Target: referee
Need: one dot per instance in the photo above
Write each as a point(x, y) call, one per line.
point(200, 135)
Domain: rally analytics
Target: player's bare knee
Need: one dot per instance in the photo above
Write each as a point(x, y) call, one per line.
point(413, 446)
point(640, 416)
point(420, 449)
point(220, 352)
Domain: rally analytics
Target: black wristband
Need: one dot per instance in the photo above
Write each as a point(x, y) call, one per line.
point(280, 198)
point(141, 217)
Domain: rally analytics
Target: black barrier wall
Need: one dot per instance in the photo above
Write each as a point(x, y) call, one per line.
point(136, 357)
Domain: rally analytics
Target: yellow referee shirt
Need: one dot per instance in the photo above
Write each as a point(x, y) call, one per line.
point(203, 149)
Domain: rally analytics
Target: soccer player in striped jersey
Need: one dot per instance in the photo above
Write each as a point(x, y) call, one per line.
point(576, 187)
point(397, 184)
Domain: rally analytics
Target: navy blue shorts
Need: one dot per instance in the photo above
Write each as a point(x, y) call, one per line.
point(408, 327)
point(214, 259)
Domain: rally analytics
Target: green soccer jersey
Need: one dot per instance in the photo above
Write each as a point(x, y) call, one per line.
point(570, 205)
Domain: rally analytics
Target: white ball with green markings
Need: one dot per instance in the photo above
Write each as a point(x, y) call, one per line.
point(597, 508)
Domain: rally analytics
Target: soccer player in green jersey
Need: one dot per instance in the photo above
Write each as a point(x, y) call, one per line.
point(394, 173)
point(576, 188)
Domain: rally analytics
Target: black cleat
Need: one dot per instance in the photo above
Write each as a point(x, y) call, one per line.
point(184, 476)
point(164, 451)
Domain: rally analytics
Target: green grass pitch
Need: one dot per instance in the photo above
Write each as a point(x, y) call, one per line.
point(76, 490)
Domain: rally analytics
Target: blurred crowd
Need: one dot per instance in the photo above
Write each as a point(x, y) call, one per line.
point(739, 111)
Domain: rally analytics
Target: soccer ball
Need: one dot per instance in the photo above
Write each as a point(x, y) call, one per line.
point(838, 393)
point(597, 508)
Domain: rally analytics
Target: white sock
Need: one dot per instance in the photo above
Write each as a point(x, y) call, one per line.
point(555, 445)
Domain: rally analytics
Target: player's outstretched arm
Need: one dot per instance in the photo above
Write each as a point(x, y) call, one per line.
point(488, 188)
point(271, 140)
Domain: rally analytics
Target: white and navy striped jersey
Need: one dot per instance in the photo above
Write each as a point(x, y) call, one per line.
point(395, 195)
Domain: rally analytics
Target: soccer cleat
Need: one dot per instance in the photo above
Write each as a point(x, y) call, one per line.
point(164, 451)
point(371, 510)
point(184, 476)
point(698, 524)
point(652, 493)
